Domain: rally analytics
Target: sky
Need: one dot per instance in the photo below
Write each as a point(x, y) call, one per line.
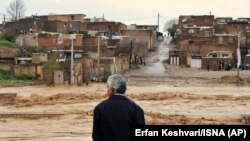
point(135, 11)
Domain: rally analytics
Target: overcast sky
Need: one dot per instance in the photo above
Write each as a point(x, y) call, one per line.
point(135, 11)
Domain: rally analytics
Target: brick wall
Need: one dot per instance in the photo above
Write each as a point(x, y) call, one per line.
point(90, 44)
point(111, 27)
point(47, 41)
point(24, 25)
point(73, 17)
point(204, 46)
point(190, 20)
point(143, 39)
point(231, 28)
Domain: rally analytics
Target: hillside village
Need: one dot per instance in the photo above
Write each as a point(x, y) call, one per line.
point(101, 47)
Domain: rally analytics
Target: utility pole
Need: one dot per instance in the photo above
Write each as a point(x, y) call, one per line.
point(130, 54)
point(3, 19)
point(158, 22)
point(16, 11)
point(98, 59)
point(72, 37)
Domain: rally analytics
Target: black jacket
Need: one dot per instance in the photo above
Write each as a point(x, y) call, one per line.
point(113, 117)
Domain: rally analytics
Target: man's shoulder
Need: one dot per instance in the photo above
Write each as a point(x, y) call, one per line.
point(101, 104)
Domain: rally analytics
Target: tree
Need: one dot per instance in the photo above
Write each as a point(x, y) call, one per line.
point(16, 9)
point(171, 26)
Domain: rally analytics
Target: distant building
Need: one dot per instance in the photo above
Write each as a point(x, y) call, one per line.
point(95, 19)
point(143, 27)
point(223, 20)
point(196, 26)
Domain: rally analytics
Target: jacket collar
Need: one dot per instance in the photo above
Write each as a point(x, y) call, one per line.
point(118, 96)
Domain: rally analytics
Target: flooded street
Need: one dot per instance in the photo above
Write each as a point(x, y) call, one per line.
point(157, 59)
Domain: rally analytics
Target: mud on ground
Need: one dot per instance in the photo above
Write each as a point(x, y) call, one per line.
point(57, 113)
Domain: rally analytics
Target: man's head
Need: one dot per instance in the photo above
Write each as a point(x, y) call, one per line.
point(116, 84)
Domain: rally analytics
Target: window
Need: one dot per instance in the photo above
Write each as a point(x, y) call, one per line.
point(109, 27)
point(190, 31)
point(225, 55)
point(34, 22)
point(230, 40)
point(72, 18)
point(77, 55)
point(220, 40)
point(207, 34)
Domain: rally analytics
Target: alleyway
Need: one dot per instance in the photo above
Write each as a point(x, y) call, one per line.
point(158, 72)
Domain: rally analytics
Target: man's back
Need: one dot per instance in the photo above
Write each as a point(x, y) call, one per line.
point(113, 117)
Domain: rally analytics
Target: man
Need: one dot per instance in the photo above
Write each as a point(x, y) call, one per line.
point(113, 117)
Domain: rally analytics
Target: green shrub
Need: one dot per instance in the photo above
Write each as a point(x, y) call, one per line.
point(8, 44)
point(5, 42)
point(7, 75)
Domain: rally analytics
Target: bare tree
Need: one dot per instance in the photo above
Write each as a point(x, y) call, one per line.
point(16, 9)
point(171, 26)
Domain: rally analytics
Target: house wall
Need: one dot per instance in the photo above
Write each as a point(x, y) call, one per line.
point(6, 66)
point(202, 20)
point(39, 58)
point(91, 44)
point(47, 41)
point(203, 46)
point(248, 41)
point(56, 26)
point(31, 70)
point(24, 25)
point(111, 27)
point(72, 17)
point(247, 60)
point(9, 52)
point(121, 64)
point(142, 39)
point(214, 62)
point(232, 28)
point(27, 40)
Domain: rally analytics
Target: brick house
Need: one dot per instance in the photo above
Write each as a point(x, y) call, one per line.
point(32, 24)
point(223, 20)
point(51, 23)
point(65, 17)
point(196, 26)
point(142, 41)
point(233, 27)
point(143, 27)
point(113, 28)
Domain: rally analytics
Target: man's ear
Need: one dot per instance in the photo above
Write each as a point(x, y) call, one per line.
point(113, 90)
